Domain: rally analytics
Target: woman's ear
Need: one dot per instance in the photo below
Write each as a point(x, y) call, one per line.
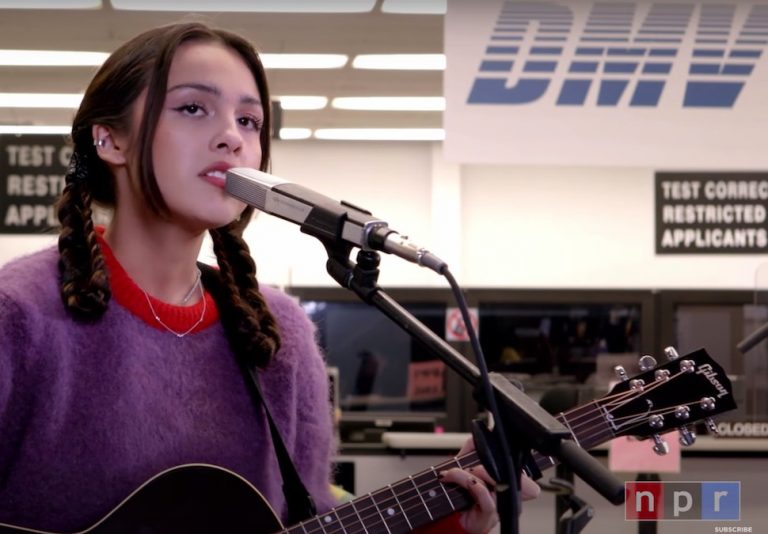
point(106, 145)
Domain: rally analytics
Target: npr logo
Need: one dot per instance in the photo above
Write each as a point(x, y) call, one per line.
point(706, 501)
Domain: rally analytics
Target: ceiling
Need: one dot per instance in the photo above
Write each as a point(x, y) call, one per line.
point(370, 32)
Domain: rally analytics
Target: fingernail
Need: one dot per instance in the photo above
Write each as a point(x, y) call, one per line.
point(441, 476)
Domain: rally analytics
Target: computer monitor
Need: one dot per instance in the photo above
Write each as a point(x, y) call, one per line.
point(387, 380)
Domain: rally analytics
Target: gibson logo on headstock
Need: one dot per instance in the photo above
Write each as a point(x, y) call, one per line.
point(711, 375)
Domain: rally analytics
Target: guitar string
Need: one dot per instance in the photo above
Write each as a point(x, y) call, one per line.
point(590, 439)
point(417, 497)
point(595, 414)
point(408, 507)
point(592, 415)
point(607, 433)
point(337, 525)
point(610, 410)
point(404, 504)
point(377, 517)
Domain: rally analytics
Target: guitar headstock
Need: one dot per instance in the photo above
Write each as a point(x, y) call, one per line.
point(673, 395)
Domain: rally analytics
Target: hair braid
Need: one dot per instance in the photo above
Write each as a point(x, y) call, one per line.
point(250, 325)
point(84, 280)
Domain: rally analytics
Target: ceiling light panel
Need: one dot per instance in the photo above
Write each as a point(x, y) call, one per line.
point(415, 7)
point(380, 134)
point(40, 100)
point(400, 61)
point(21, 129)
point(249, 6)
point(50, 4)
point(303, 61)
point(51, 58)
point(302, 102)
point(390, 103)
point(295, 133)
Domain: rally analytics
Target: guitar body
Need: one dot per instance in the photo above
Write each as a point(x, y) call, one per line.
point(193, 499)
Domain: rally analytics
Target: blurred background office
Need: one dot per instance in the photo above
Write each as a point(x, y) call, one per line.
point(594, 173)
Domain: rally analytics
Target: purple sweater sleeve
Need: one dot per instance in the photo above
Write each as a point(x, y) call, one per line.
point(13, 408)
point(70, 396)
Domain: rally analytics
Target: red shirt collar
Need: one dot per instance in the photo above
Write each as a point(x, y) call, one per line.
point(129, 295)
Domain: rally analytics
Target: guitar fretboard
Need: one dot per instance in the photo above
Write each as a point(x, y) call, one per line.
point(422, 499)
point(398, 508)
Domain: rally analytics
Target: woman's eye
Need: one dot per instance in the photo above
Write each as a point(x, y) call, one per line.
point(250, 122)
point(190, 109)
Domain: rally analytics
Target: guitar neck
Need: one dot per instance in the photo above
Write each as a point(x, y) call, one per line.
point(422, 499)
point(398, 508)
point(588, 428)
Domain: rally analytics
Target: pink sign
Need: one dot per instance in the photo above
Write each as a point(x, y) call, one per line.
point(425, 380)
point(455, 329)
point(630, 454)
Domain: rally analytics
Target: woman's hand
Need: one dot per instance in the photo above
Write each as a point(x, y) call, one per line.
point(482, 517)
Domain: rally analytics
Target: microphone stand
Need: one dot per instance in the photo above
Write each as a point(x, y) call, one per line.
point(746, 344)
point(525, 423)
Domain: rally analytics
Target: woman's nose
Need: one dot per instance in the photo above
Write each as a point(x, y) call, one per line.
point(228, 137)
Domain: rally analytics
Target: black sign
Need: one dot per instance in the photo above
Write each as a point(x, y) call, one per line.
point(711, 213)
point(32, 169)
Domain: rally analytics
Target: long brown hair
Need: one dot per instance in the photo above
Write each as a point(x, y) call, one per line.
point(142, 64)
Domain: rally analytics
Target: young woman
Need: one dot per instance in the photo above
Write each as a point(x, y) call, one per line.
point(118, 359)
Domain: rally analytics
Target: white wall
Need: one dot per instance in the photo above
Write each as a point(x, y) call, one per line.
point(392, 180)
point(578, 228)
point(546, 227)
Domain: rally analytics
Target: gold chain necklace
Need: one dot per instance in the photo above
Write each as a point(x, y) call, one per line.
point(184, 300)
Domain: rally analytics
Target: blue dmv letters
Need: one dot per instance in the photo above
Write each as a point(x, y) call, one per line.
point(626, 60)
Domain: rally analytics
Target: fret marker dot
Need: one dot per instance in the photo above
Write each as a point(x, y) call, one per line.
point(390, 511)
point(432, 493)
point(327, 519)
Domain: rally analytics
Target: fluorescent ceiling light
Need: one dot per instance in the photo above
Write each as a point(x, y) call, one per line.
point(295, 133)
point(303, 61)
point(303, 102)
point(400, 61)
point(260, 6)
point(390, 103)
point(381, 134)
point(50, 4)
point(40, 100)
point(415, 7)
point(51, 58)
point(19, 129)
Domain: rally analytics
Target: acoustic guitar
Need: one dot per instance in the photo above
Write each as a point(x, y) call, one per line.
point(199, 498)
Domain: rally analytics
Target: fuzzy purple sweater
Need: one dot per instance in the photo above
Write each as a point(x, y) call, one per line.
point(90, 412)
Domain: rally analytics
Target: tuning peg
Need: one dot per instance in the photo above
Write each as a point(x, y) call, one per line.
point(621, 373)
point(671, 353)
point(647, 362)
point(687, 438)
point(687, 366)
point(656, 421)
point(711, 425)
point(660, 446)
point(683, 412)
point(661, 374)
point(637, 384)
point(707, 403)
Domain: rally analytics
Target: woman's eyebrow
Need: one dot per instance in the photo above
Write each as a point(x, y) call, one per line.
point(245, 99)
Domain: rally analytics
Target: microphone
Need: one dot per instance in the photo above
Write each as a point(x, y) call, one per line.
point(325, 218)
